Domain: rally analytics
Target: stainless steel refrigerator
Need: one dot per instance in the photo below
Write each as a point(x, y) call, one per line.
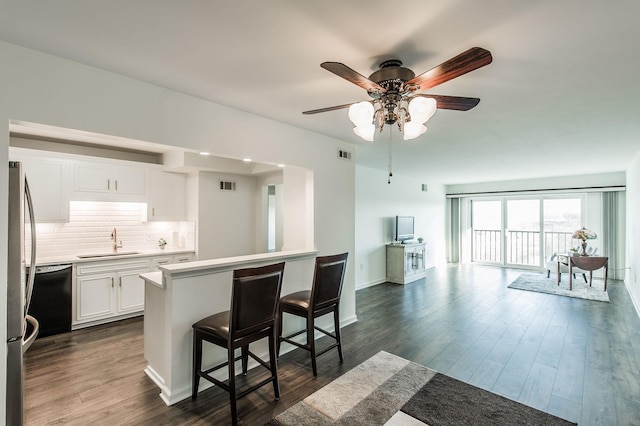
point(19, 288)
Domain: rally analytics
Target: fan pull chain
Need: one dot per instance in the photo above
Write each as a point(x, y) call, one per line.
point(390, 158)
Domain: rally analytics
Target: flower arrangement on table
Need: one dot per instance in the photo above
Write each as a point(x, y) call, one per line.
point(583, 235)
point(162, 242)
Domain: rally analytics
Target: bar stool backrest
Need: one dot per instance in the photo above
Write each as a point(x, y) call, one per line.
point(254, 299)
point(328, 278)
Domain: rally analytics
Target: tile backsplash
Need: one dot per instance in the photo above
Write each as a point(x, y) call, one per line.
point(91, 223)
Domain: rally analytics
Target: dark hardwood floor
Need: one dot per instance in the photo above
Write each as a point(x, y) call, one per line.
point(573, 358)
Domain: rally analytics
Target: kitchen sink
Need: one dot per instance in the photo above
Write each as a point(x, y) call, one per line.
point(120, 253)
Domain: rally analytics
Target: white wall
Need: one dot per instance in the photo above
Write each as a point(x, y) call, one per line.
point(226, 219)
point(45, 89)
point(377, 205)
point(632, 280)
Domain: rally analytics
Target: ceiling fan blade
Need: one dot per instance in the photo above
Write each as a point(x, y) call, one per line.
point(333, 108)
point(456, 103)
point(472, 59)
point(341, 70)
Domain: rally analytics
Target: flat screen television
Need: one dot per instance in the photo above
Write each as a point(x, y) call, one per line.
point(404, 228)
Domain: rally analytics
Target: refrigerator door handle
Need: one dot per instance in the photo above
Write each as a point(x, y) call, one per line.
point(32, 222)
point(28, 340)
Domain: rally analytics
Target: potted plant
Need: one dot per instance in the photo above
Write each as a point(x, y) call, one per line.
point(162, 243)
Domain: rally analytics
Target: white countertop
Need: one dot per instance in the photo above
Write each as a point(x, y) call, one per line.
point(69, 258)
point(209, 266)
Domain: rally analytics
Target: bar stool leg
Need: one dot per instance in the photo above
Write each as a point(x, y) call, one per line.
point(197, 364)
point(245, 359)
point(232, 385)
point(311, 342)
point(273, 360)
point(336, 326)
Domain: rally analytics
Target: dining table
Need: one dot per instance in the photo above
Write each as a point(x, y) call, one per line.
point(588, 263)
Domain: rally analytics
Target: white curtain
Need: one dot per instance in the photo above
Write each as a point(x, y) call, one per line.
point(613, 233)
point(453, 255)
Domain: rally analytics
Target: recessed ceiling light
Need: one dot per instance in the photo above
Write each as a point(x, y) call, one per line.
point(246, 160)
point(204, 153)
point(280, 165)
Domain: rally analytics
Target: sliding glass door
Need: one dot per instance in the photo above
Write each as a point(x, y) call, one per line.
point(523, 232)
point(486, 224)
point(562, 216)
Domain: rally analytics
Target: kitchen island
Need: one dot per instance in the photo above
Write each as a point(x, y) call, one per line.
point(179, 295)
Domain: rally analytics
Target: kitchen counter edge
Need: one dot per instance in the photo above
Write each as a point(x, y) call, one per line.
point(139, 253)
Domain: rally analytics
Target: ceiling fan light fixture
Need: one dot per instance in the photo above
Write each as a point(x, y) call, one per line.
point(413, 129)
point(422, 109)
point(361, 113)
point(365, 132)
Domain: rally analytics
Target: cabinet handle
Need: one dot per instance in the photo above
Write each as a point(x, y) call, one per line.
point(111, 282)
point(153, 212)
point(120, 281)
point(108, 184)
point(116, 184)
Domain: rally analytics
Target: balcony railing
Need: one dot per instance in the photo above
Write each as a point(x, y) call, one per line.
point(523, 247)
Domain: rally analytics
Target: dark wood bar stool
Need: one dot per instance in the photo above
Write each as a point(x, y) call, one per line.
point(254, 307)
point(322, 299)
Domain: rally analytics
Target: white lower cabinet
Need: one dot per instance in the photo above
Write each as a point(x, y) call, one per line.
point(130, 292)
point(112, 290)
point(106, 291)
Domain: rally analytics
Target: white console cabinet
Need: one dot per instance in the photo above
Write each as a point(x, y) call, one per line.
point(405, 262)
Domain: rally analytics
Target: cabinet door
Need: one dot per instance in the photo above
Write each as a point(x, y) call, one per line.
point(129, 180)
point(109, 182)
point(48, 185)
point(130, 292)
point(95, 297)
point(90, 177)
point(168, 199)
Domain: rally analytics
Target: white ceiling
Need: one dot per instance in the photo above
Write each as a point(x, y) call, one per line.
point(560, 98)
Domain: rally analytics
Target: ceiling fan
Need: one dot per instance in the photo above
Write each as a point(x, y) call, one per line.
point(396, 93)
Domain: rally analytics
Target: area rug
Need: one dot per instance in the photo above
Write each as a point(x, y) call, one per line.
point(389, 390)
point(581, 290)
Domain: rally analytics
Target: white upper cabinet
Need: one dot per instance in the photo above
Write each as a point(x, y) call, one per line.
point(168, 197)
point(49, 186)
point(107, 182)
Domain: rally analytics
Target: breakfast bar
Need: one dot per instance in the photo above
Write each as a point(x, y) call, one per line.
point(179, 295)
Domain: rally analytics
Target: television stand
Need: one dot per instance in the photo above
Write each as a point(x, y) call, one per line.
point(405, 262)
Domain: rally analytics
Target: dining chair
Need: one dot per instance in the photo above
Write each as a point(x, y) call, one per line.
point(252, 317)
point(553, 265)
point(322, 299)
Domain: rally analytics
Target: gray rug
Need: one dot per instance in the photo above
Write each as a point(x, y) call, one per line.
point(389, 390)
point(541, 284)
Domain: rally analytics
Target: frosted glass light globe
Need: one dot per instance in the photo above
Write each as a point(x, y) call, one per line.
point(421, 109)
point(365, 132)
point(361, 114)
point(413, 129)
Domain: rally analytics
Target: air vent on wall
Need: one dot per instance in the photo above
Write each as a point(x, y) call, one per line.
point(345, 155)
point(227, 186)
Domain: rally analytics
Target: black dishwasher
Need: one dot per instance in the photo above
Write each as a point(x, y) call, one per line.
point(51, 299)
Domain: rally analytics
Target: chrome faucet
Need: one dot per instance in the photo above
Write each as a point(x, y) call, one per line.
point(114, 237)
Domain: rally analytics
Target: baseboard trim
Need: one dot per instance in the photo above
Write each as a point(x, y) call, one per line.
point(636, 305)
point(370, 283)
